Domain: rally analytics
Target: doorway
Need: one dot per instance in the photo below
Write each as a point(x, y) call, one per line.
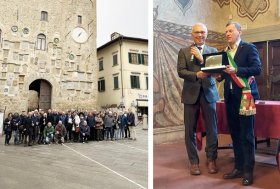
point(269, 80)
point(40, 92)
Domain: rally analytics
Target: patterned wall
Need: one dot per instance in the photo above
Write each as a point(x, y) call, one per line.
point(168, 39)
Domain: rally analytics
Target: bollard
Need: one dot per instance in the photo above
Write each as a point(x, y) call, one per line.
point(145, 122)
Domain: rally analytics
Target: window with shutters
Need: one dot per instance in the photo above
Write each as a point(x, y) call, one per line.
point(116, 82)
point(101, 85)
point(145, 57)
point(115, 59)
point(101, 65)
point(44, 16)
point(135, 82)
point(133, 58)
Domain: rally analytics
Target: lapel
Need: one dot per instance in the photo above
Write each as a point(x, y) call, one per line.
point(239, 49)
point(205, 50)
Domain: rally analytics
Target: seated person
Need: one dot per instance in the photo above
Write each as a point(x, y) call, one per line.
point(84, 132)
point(48, 133)
point(60, 132)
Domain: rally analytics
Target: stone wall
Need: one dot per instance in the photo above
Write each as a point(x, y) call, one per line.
point(69, 67)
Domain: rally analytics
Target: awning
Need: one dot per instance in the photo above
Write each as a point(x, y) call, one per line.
point(142, 103)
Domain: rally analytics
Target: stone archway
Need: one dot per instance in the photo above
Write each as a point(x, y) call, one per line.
point(40, 95)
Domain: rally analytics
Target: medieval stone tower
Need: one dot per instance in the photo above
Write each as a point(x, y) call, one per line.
point(47, 54)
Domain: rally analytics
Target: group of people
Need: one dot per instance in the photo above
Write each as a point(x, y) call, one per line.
point(240, 92)
point(39, 127)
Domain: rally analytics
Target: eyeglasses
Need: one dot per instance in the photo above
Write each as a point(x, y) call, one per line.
point(199, 32)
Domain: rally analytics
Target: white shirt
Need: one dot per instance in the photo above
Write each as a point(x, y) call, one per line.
point(232, 51)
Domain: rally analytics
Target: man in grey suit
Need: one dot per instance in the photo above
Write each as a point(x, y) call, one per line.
point(199, 92)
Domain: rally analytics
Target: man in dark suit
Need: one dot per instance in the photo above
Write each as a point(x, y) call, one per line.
point(244, 63)
point(199, 92)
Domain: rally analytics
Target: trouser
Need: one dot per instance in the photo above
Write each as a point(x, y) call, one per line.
point(132, 132)
point(242, 133)
point(16, 136)
point(127, 132)
point(59, 138)
point(49, 138)
point(122, 135)
point(41, 138)
point(8, 136)
point(109, 130)
point(92, 133)
point(69, 132)
point(117, 133)
point(76, 136)
point(84, 138)
point(191, 115)
point(99, 134)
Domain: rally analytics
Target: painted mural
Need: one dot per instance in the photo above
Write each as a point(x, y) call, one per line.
point(222, 2)
point(168, 39)
point(251, 8)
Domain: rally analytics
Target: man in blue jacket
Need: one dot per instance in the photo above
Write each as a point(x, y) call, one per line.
point(240, 92)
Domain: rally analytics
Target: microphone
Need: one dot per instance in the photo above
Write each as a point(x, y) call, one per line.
point(192, 56)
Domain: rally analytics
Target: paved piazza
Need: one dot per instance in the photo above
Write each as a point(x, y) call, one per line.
point(94, 165)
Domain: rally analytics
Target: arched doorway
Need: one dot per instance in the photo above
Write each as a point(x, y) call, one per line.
point(40, 92)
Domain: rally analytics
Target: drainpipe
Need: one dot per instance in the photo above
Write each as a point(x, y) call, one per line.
point(120, 43)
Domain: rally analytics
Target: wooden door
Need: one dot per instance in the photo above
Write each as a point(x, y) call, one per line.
point(274, 69)
point(45, 95)
point(262, 80)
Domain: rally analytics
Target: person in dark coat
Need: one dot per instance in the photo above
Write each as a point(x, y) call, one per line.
point(240, 92)
point(16, 122)
point(8, 128)
point(43, 124)
point(91, 123)
point(84, 132)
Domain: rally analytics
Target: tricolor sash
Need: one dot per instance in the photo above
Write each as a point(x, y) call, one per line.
point(247, 105)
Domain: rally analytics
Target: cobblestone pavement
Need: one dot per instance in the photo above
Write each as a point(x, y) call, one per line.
point(107, 164)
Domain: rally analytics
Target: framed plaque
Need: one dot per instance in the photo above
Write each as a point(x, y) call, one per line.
point(214, 62)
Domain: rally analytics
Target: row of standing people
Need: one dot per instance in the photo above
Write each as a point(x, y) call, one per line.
point(101, 125)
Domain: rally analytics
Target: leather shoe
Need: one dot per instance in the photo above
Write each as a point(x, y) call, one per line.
point(234, 174)
point(195, 170)
point(247, 179)
point(212, 167)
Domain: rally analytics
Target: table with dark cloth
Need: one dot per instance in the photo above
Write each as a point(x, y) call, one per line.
point(267, 120)
point(267, 123)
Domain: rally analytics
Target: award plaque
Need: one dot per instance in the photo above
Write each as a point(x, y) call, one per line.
point(214, 62)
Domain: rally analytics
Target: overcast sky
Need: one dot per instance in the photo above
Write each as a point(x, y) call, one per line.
point(127, 17)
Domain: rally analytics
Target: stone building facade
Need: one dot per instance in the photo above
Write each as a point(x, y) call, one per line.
point(48, 48)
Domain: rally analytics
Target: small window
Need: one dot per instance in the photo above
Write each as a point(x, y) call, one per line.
point(41, 42)
point(101, 65)
point(132, 58)
point(116, 82)
point(101, 85)
point(44, 16)
point(115, 60)
point(79, 19)
point(147, 82)
point(135, 83)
